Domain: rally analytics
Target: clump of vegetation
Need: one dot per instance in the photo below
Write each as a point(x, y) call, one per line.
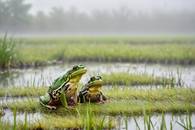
point(123, 78)
point(112, 107)
point(108, 49)
point(86, 120)
point(7, 52)
point(22, 91)
point(120, 100)
point(161, 94)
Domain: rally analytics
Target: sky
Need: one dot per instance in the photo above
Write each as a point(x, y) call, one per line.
point(90, 5)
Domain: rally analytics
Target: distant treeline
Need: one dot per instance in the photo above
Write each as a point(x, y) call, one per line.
point(15, 17)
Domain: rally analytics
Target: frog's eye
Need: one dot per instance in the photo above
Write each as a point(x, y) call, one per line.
point(98, 77)
point(75, 67)
point(92, 78)
point(81, 66)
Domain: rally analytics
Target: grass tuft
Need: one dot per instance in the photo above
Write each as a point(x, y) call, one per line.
point(7, 52)
point(123, 78)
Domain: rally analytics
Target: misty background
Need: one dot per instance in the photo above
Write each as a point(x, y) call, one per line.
point(97, 16)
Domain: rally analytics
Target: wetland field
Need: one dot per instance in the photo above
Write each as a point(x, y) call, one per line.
point(149, 82)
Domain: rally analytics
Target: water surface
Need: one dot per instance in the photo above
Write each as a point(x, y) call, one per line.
point(45, 75)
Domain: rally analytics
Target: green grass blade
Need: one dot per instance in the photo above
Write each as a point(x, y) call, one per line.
point(14, 114)
point(137, 125)
point(182, 125)
point(63, 100)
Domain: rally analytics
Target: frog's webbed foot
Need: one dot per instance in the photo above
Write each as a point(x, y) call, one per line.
point(100, 102)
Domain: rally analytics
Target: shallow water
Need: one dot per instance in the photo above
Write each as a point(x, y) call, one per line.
point(130, 123)
point(45, 75)
point(122, 121)
point(20, 117)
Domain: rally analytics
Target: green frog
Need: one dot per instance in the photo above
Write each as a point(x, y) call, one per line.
point(91, 92)
point(67, 85)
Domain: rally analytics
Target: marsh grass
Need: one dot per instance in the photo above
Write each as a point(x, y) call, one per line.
point(121, 78)
point(112, 107)
point(186, 123)
point(92, 116)
point(124, 78)
point(53, 121)
point(22, 91)
point(111, 39)
point(86, 122)
point(116, 92)
point(35, 51)
point(7, 51)
point(122, 99)
point(162, 124)
point(161, 94)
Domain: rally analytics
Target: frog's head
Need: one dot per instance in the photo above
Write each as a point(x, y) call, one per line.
point(76, 73)
point(95, 83)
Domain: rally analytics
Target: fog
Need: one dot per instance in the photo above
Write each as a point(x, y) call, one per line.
point(135, 5)
point(97, 17)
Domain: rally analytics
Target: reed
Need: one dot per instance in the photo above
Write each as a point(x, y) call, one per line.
point(7, 51)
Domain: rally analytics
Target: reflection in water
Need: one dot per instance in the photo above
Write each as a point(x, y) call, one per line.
point(20, 117)
point(8, 77)
point(45, 75)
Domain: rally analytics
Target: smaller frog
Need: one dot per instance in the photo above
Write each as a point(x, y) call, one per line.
point(66, 84)
point(91, 92)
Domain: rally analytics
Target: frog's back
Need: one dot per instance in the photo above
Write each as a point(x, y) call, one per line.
point(57, 83)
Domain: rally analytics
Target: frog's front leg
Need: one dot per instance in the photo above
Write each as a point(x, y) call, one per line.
point(93, 98)
point(102, 98)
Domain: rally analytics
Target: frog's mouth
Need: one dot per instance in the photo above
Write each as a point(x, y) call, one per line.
point(95, 84)
point(95, 89)
point(79, 72)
